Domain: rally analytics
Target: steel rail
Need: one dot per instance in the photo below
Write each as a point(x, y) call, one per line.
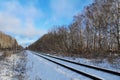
point(85, 65)
point(72, 69)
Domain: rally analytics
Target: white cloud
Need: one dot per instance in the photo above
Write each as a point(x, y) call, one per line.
point(15, 16)
point(20, 20)
point(9, 23)
point(25, 41)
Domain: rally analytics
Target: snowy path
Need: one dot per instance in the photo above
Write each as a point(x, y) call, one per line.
point(40, 68)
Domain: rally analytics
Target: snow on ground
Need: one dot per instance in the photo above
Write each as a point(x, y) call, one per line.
point(28, 66)
point(9, 66)
point(90, 71)
point(46, 70)
point(103, 63)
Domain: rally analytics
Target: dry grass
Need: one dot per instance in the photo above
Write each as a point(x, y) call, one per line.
point(7, 53)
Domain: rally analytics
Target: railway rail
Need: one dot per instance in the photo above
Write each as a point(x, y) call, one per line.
point(85, 65)
point(62, 62)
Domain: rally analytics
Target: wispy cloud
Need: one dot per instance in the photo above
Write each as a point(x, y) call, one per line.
point(15, 16)
point(20, 19)
point(64, 10)
point(27, 20)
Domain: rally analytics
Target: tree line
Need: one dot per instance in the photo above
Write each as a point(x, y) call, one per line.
point(8, 43)
point(97, 29)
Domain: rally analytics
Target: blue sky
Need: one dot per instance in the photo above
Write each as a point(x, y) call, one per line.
point(28, 20)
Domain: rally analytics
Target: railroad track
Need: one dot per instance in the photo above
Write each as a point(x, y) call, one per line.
point(85, 65)
point(65, 63)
